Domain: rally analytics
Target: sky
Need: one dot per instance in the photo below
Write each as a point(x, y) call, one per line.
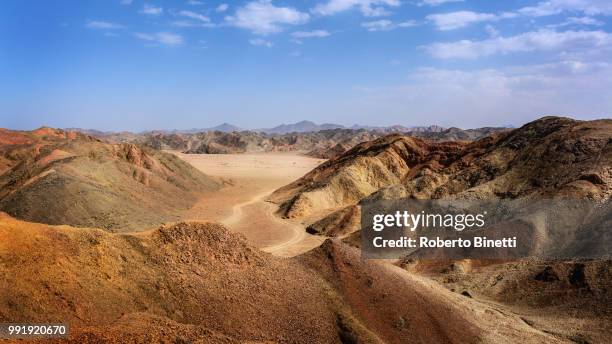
point(161, 64)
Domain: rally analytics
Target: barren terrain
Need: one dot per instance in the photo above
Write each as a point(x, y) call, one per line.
point(205, 279)
point(66, 178)
point(201, 283)
point(248, 179)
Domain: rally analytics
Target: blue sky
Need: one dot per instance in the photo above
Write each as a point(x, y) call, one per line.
point(140, 65)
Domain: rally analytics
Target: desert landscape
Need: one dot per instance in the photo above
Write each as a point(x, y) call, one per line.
point(241, 205)
point(127, 242)
point(306, 172)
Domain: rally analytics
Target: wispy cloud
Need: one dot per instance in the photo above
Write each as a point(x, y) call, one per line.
point(261, 42)
point(151, 10)
point(263, 18)
point(195, 2)
point(491, 31)
point(437, 2)
point(126, 2)
point(163, 38)
point(386, 25)
point(408, 23)
point(194, 15)
point(310, 34)
point(459, 19)
point(192, 24)
point(494, 96)
point(553, 7)
point(542, 40)
point(369, 8)
point(378, 25)
point(584, 21)
point(222, 8)
point(103, 25)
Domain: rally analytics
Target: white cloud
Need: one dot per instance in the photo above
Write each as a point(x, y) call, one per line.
point(378, 25)
point(192, 23)
point(151, 10)
point(263, 18)
point(579, 21)
point(164, 38)
point(459, 19)
point(386, 25)
point(195, 2)
point(585, 21)
point(261, 42)
point(491, 31)
point(492, 96)
point(103, 25)
point(376, 12)
point(310, 34)
point(542, 40)
point(194, 15)
point(222, 8)
point(553, 7)
point(126, 2)
point(437, 2)
point(408, 23)
point(369, 8)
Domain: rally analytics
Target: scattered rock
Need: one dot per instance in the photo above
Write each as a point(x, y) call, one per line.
point(547, 275)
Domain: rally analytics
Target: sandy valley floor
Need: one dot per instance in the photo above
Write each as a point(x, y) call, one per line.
point(240, 205)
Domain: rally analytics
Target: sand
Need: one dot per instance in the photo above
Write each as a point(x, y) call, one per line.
point(240, 205)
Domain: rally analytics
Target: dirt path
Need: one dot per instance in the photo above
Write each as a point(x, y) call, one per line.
point(241, 205)
point(275, 235)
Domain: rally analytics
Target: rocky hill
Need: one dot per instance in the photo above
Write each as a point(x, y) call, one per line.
point(181, 282)
point(59, 177)
point(549, 157)
point(198, 282)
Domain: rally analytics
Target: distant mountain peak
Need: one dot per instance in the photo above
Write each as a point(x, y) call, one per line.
point(300, 127)
point(225, 127)
point(302, 122)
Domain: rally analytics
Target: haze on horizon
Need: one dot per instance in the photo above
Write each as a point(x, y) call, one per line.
point(180, 64)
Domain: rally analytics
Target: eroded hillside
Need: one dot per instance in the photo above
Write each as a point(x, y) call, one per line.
point(550, 157)
point(194, 281)
point(57, 177)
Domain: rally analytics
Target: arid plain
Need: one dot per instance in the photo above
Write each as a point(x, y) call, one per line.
point(241, 204)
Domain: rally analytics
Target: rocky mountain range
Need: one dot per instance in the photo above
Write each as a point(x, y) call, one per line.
point(320, 144)
point(550, 157)
point(553, 158)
